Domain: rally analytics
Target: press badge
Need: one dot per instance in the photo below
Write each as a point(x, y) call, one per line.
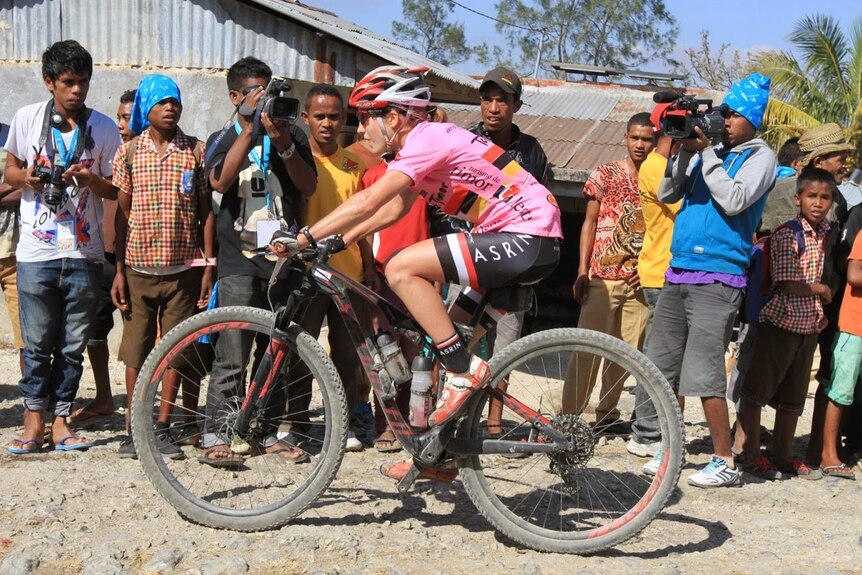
point(67, 239)
point(265, 229)
point(188, 185)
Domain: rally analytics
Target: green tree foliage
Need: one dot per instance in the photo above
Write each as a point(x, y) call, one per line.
point(819, 80)
point(425, 28)
point(615, 33)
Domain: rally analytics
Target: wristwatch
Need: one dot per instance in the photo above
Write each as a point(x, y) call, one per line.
point(288, 153)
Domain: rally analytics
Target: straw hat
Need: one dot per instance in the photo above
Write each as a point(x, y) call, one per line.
point(821, 140)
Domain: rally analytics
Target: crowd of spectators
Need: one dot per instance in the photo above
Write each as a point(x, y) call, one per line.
point(149, 218)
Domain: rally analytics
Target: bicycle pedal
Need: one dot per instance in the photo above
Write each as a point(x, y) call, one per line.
point(406, 482)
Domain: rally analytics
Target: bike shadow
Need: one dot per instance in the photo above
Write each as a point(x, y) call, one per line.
point(702, 534)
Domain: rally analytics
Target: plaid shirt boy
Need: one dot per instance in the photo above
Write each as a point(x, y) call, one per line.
point(164, 228)
point(796, 313)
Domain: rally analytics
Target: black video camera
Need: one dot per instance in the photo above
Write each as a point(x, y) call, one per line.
point(280, 108)
point(52, 179)
point(696, 113)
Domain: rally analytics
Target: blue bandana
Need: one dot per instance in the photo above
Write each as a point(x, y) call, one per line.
point(748, 98)
point(153, 89)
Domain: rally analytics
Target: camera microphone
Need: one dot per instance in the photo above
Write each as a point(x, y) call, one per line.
point(666, 97)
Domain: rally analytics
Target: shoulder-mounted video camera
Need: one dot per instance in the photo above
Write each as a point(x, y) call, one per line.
point(686, 112)
point(273, 102)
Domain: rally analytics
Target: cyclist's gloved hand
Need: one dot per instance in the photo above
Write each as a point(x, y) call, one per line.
point(284, 244)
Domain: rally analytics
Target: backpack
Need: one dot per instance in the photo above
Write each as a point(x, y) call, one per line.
point(759, 287)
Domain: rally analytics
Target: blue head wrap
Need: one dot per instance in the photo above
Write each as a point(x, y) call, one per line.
point(748, 98)
point(153, 89)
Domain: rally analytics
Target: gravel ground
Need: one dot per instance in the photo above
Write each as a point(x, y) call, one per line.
point(93, 513)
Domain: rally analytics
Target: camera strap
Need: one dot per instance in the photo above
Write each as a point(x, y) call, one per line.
point(260, 160)
point(79, 144)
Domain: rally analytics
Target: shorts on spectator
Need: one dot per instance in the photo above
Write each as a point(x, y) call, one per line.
point(9, 284)
point(846, 368)
point(156, 303)
point(780, 369)
point(103, 322)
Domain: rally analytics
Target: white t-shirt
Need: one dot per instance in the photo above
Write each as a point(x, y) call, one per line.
point(73, 229)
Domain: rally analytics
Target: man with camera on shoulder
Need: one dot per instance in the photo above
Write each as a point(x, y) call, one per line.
point(263, 172)
point(723, 187)
point(59, 153)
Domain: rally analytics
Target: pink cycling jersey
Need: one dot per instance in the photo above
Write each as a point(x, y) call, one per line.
point(455, 170)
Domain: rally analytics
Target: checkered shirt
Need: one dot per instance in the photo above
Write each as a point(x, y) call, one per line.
point(795, 313)
point(164, 228)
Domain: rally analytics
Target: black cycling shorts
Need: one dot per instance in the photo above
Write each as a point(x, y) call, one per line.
point(496, 259)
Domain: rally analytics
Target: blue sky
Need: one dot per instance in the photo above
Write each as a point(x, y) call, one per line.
point(744, 24)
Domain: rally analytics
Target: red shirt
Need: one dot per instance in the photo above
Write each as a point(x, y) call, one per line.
point(850, 317)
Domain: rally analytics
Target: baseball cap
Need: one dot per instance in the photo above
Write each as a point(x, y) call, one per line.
point(504, 79)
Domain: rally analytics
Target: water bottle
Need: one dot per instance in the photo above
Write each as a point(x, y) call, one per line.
point(420, 392)
point(392, 357)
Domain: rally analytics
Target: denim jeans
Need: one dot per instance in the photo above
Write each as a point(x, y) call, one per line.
point(57, 300)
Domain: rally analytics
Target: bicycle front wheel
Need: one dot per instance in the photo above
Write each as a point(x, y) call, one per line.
point(594, 494)
point(188, 398)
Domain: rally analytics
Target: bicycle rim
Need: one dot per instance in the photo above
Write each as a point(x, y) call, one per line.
point(593, 495)
point(212, 356)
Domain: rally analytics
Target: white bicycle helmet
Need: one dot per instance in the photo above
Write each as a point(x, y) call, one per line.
point(391, 86)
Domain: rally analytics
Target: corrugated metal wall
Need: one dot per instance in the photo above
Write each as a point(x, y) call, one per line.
point(168, 33)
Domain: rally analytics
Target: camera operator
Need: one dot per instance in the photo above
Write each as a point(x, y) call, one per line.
point(260, 181)
point(60, 252)
point(724, 189)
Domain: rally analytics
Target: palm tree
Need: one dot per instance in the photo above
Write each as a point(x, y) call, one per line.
point(822, 84)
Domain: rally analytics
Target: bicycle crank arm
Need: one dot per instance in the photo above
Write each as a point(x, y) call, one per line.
point(497, 446)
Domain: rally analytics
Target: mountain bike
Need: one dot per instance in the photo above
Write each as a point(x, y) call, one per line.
point(545, 478)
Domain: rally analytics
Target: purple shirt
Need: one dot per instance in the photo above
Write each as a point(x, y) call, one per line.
point(680, 276)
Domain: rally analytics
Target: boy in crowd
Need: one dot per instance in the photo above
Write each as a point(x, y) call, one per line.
point(786, 336)
point(259, 181)
point(607, 287)
point(846, 365)
point(97, 349)
point(166, 225)
point(339, 176)
point(60, 251)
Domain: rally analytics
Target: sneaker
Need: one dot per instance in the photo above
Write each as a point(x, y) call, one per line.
point(612, 428)
point(127, 449)
point(353, 444)
point(457, 389)
point(761, 467)
point(715, 474)
point(651, 467)
point(643, 449)
point(166, 444)
point(801, 469)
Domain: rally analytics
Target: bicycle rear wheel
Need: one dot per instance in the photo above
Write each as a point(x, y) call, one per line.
point(593, 495)
point(213, 356)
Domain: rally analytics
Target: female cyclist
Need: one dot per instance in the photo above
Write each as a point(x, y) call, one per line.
point(516, 233)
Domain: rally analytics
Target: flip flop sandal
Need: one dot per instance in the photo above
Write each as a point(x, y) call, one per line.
point(36, 446)
point(303, 457)
point(230, 460)
point(398, 470)
point(841, 471)
point(64, 445)
point(387, 442)
point(85, 414)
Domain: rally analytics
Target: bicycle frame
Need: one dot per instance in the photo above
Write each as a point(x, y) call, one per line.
point(426, 445)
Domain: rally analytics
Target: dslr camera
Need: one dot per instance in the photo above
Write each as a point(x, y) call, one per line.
point(686, 112)
point(52, 179)
point(273, 102)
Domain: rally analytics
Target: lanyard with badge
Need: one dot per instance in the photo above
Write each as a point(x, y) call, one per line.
point(66, 238)
point(268, 226)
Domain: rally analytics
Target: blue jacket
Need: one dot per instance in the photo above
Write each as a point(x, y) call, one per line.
point(723, 197)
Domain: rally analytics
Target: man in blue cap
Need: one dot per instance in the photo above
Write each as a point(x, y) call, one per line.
point(723, 187)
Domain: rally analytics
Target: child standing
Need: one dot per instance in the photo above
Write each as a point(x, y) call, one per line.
point(787, 330)
point(846, 364)
point(167, 225)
